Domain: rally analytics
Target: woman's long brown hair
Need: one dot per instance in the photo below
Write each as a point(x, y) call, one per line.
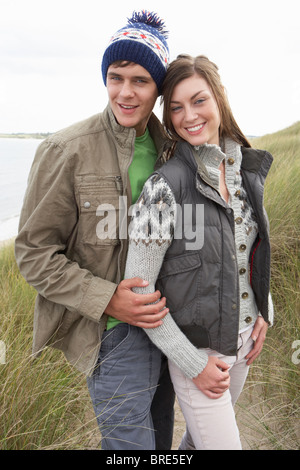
point(186, 66)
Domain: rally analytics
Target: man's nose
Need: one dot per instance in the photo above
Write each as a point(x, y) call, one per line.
point(127, 89)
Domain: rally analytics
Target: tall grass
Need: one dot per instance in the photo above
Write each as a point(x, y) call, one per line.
point(44, 403)
point(271, 396)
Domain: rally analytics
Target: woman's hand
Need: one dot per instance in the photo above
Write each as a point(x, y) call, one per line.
point(214, 380)
point(258, 335)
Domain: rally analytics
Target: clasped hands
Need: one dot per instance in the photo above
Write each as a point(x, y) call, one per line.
point(148, 310)
point(214, 380)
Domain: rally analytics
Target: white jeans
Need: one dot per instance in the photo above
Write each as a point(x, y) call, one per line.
point(211, 423)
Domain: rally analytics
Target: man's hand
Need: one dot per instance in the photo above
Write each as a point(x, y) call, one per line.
point(258, 335)
point(132, 308)
point(214, 380)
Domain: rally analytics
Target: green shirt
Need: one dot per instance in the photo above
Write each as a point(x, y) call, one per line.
point(142, 166)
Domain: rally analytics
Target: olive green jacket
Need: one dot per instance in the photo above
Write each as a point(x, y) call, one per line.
point(58, 250)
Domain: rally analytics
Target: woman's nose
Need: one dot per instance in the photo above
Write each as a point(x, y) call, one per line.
point(190, 114)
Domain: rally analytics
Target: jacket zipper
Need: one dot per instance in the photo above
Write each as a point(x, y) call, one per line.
point(125, 192)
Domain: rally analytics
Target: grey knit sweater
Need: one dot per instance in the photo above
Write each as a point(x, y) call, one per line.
point(147, 248)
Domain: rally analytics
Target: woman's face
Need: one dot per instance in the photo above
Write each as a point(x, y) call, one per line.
point(194, 112)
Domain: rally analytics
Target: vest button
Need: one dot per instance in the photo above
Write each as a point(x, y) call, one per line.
point(87, 205)
point(230, 161)
point(242, 247)
point(237, 193)
point(248, 319)
point(242, 271)
point(238, 220)
point(245, 295)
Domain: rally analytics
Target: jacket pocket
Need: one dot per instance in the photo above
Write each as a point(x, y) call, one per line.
point(99, 212)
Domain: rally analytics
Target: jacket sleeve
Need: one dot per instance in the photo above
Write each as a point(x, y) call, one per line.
point(155, 214)
point(47, 223)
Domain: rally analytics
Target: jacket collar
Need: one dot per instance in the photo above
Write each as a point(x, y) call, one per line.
point(126, 135)
point(122, 135)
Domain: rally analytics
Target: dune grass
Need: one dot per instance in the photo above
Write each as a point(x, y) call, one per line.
point(271, 395)
point(44, 403)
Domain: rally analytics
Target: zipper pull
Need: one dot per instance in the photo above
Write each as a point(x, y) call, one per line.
point(118, 182)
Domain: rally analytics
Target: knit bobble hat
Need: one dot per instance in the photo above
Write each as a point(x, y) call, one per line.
point(142, 41)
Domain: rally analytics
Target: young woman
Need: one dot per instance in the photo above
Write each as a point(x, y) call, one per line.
point(199, 234)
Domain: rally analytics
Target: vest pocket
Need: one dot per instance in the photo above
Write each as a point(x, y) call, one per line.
point(178, 280)
point(179, 264)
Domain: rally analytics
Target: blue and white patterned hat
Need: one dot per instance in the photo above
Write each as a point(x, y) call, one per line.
point(142, 41)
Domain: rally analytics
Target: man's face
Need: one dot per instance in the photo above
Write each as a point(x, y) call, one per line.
point(132, 95)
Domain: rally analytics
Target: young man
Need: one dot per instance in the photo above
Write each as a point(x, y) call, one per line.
point(72, 244)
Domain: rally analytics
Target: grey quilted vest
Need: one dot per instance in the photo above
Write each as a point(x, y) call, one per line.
point(202, 283)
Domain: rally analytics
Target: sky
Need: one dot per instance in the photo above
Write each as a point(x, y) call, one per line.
point(50, 57)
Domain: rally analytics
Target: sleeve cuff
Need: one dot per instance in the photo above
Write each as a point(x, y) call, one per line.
point(96, 298)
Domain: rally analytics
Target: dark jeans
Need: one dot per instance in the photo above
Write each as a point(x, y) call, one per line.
point(132, 393)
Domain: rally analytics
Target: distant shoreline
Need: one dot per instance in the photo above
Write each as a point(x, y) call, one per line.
point(44, 135)
point(24, 135)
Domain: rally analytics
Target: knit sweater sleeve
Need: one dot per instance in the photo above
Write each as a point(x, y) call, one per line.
point(150, 233)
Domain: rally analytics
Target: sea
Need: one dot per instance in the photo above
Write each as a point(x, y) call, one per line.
point(16, 157)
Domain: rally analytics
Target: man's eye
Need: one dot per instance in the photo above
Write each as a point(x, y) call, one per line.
point(114, 78)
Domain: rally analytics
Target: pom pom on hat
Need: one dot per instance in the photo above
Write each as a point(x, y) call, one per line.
point(150, 19)
point(142, 41)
